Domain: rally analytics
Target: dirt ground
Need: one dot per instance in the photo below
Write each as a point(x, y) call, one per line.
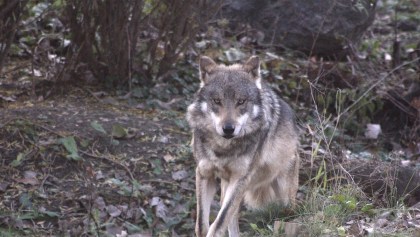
point(129, 169)
point(83, 162)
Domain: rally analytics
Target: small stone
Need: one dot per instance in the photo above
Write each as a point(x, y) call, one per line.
point(381, 223)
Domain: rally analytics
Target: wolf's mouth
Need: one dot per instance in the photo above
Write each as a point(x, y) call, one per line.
point(227, 136)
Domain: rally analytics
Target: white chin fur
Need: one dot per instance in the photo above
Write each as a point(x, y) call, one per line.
point(190, 110)
point(241, 121)
point(204, 107)
point(216, 123)
point(191, 107)
point(258, 83)
point(255, 111)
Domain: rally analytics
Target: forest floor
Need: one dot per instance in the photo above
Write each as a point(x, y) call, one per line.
point(123, 166)
point(81, 160)
point(85, 163)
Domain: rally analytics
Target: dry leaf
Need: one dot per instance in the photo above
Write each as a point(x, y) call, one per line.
point(179, 175)
point(113, 211)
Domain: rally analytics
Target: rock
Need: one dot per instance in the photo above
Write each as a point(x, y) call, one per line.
point(323, 27)
point(372, 131)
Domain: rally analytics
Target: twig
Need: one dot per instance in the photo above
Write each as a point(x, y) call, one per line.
point(5, 123)
point(166, 182)
point(44, 180)
point(110, 160)
point(93, 94)
point(18, 67)
point(45, 128)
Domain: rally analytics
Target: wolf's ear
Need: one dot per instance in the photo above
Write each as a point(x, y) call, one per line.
point(207, 65)
point(253, 66)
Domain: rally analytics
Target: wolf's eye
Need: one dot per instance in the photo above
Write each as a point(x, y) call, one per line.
point(217, 101)
point(240, 102)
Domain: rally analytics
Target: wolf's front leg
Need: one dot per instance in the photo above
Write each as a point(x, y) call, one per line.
point(232, 198)
point(233, 227)
point(205, 189)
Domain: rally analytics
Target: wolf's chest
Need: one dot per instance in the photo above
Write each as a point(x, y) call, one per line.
point(224, 169)
point(223, 149)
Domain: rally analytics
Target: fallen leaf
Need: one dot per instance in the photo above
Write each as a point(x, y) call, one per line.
point(37, 73)
point(159, 208)
point(115, 230)
point(70, 144)
point(179, 175)
point(168, 158)
point(100, 94)
point(100, 203)
point(43, 210)
point(20, 157)
point(234, 54)
point(29, 174)
point(141, 235)
point(163, 139)
point(405, 163)
point(7, 98)
point(99, 175)
point(25, 200)
point(29, 178)
point(119, 131)
point(110, 100)
point(122, 234)
point(98, 127)
point(3, 186)
point(113, 211)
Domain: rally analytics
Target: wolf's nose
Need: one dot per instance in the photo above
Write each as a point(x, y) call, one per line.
point(228, 129)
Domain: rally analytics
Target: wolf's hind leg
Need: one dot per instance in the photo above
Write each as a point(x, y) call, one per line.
point(259, 197)
point(281, 190)
point(294, 180)
point(285, 186)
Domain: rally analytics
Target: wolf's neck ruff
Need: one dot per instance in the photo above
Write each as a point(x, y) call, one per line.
point(245, 134)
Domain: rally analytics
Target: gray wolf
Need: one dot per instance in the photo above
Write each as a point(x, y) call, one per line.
point(245, 135)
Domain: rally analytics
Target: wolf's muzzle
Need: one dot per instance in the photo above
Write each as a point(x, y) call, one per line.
point(228, 130)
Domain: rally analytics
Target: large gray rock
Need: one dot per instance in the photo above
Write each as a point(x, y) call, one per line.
point(325, 27)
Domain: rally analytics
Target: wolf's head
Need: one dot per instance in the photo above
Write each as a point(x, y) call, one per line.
point(229, 100)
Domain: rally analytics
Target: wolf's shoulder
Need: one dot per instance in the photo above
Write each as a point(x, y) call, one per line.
point(273, 99)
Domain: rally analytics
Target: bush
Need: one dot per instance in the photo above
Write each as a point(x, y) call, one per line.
point(10, 16)
point(110, 35)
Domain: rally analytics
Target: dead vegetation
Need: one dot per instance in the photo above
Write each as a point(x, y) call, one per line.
point(107, 40)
